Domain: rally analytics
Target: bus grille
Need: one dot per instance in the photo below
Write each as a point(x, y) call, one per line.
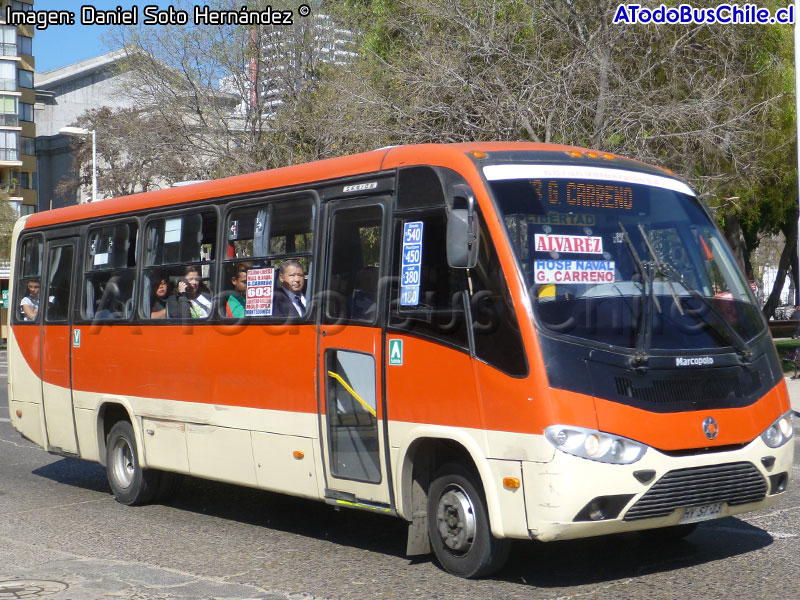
point(734, 483)
point(705, 390)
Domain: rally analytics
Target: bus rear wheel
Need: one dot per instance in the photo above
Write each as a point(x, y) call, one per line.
point(130, 483)
point(458, 525)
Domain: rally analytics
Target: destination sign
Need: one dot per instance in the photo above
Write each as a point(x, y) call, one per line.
point(579, 194)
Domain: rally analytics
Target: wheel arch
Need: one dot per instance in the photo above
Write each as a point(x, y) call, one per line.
point(426, 450)
point(110, 412)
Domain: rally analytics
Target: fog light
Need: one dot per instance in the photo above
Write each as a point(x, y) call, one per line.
point(777, 483)
point(597, 510)
point(603, 508)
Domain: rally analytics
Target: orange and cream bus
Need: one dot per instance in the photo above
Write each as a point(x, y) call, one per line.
point(496, 341)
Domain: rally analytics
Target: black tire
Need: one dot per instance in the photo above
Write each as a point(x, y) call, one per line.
point(668, 534)
point(129, 483)
point(458, 525)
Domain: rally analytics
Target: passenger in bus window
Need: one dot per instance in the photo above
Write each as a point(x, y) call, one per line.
point(158, 306)
point(289, 299)
point(29, 306)
point(235, 306)
point(189, 302)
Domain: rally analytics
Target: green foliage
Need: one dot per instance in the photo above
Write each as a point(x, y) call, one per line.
point(786, 347)
point(8, 217)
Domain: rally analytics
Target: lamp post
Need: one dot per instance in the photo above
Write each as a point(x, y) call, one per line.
point(79, 132)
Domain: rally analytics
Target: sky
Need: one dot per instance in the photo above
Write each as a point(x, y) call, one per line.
point(61, 45)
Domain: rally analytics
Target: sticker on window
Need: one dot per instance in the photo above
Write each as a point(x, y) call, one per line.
point(101, 259)
point(411, 267)
point(577, 244)
point(260, 284)
point(172, 231)
point(574, 271)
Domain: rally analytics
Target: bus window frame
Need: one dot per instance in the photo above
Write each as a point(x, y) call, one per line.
point(385, 202)
point(83, 254)
point(15, 297)
point(312, 277)
point(209, 205)
point(61, 238)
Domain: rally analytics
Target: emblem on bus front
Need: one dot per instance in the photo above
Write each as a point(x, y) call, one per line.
point(710, 428)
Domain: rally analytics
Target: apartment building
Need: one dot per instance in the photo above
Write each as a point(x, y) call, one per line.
point(17, 99)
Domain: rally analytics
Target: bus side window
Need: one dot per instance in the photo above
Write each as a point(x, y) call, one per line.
point(498, 340)
point(262, 236)
point(436, 309)
point(29, 284)
point(110, 272)
point(178, 247)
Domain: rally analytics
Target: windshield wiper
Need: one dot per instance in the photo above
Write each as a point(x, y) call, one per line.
point(671, 273)
point(660, 268)
point(643, 339)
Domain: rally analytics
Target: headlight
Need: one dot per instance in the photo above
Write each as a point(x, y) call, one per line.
point(780, 432)
point(594, 445)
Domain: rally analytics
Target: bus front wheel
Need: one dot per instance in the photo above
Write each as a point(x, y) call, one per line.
point(458, 525)
point(130, 483)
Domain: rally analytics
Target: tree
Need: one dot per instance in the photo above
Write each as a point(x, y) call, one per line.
point(691, 97)
point(8, 217)
point(213, 88)
point(135, 153)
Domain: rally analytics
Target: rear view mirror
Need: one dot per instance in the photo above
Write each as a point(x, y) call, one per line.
point(462, 229)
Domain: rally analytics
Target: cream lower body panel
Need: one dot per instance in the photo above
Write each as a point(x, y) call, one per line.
point(556, 492)
point(267, 449)
point(30, 420)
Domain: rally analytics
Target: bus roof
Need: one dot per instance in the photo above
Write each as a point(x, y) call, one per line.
point(334, 168)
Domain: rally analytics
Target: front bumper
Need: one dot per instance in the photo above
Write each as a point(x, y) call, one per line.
point(653, 492)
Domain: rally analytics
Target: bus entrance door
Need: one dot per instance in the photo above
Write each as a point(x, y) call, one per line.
point(351, 406)
point(57, 343)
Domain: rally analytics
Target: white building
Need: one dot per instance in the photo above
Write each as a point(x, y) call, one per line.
point(62, 95)
point(289, 61)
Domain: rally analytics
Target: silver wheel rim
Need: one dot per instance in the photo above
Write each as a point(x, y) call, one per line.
point(455, 519)
point(122, 462)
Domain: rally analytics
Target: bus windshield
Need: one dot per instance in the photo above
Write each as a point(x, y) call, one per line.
point(623, 258)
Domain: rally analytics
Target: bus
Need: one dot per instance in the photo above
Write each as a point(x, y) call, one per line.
point(496, 341)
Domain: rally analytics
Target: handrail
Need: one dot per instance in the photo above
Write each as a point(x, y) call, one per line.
point(353, 393)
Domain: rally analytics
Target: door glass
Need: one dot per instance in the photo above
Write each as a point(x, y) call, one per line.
point(355, 258)
point(352, 415)
point(59, 283)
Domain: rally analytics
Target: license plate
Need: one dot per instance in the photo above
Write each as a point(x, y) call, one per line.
point(694, 514)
